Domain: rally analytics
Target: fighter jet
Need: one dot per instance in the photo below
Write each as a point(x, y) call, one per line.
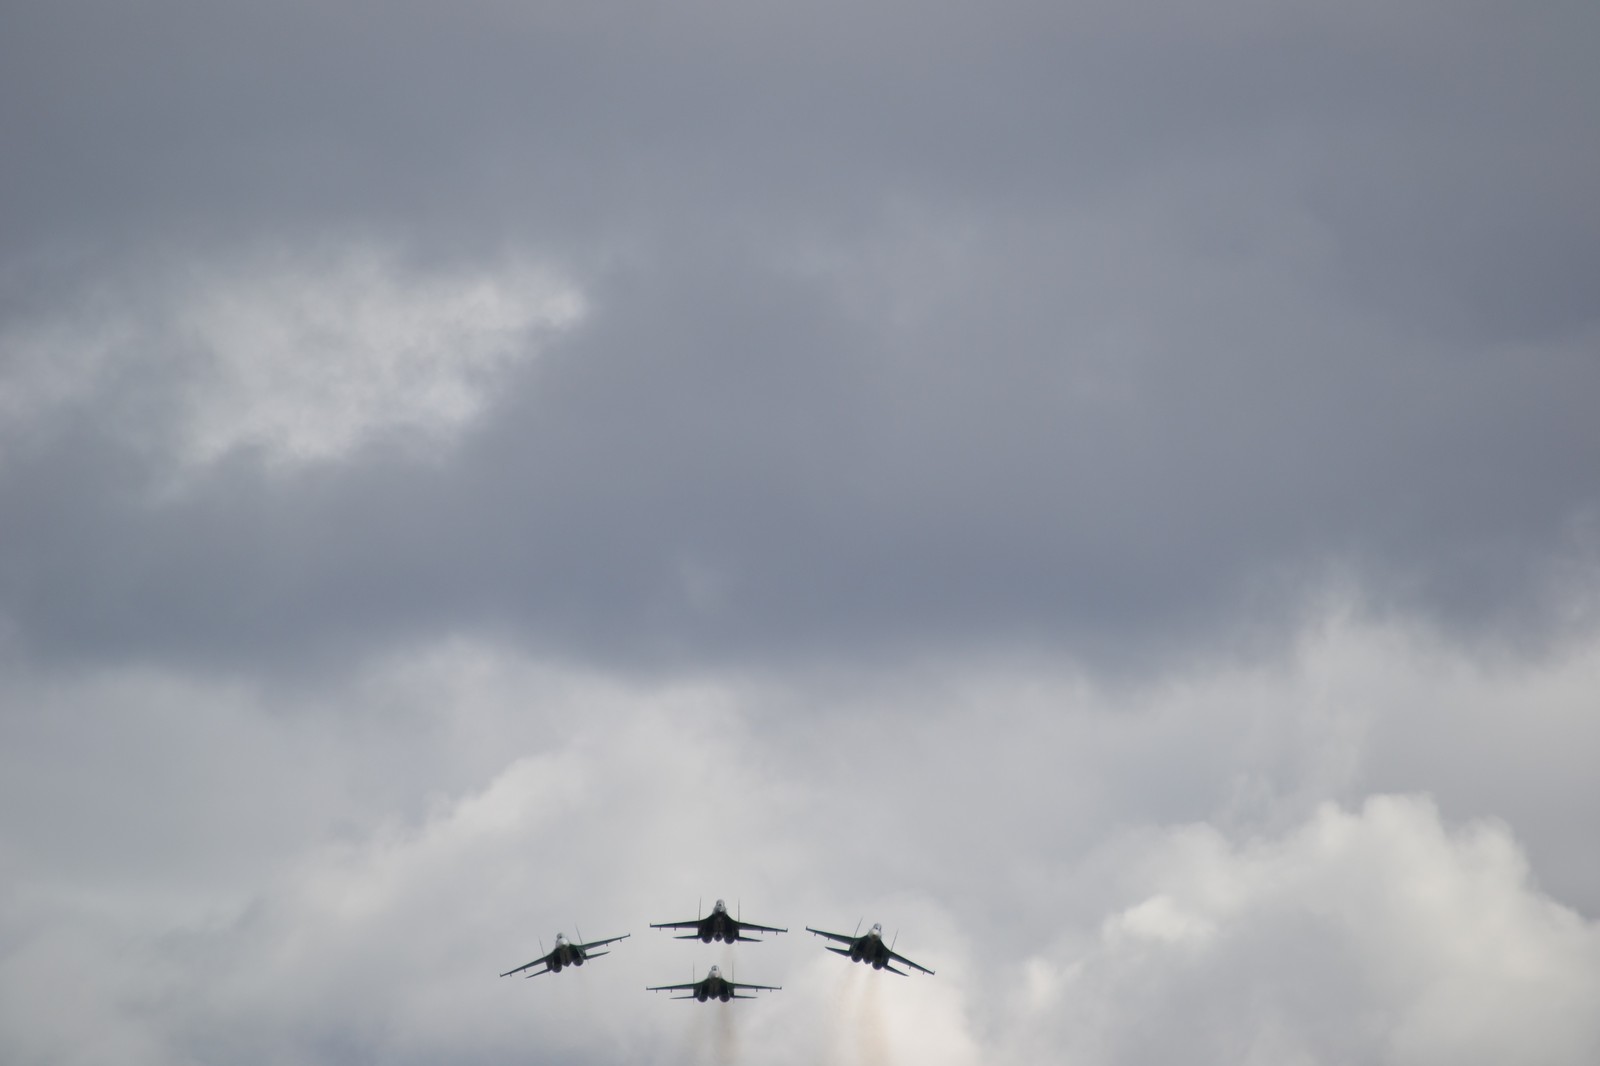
point(718, 925)
point(714, 986)
point(870, 948)
point(565, 954)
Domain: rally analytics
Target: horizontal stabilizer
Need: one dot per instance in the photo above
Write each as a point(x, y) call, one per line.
point(595, 954)
point(841, 951)
point(891, 969)
point(688, 936)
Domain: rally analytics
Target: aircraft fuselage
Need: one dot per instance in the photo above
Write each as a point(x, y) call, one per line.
point(565, 954)
point(713, 988)
point(870, 949)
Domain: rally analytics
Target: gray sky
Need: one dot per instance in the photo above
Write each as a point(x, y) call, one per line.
point(1109, 492)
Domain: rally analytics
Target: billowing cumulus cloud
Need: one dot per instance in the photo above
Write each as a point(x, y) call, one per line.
point(1372, 935)
point(1073, 861)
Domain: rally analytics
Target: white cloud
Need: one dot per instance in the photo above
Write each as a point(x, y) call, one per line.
point(308, 360)
point(300, 357)
point(1376, 935)
point(338, 871)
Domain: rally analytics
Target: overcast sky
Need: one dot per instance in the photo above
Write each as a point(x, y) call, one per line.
point(1110, 491)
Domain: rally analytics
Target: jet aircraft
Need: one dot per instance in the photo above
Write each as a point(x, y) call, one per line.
point(871, 949)
point(566, 954)
point(714, 986)
point(718, 925)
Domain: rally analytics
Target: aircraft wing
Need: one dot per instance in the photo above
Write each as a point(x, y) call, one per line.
point(602, 943)
point(693, 923)
point(840, 937)
point(908, 962)
point(543, 960)
point(672, 988)
point(758, 988)
point(760, 928)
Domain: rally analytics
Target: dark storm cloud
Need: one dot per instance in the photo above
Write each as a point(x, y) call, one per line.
point(909, 325)
point(734, 461)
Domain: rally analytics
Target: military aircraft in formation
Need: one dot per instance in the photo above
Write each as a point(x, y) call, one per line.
point(718, 925)
point(870, 949)
point(566, 954)
point(714, 986)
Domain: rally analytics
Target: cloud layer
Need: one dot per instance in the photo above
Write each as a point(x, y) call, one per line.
point(353, 881)
point(1107, 492)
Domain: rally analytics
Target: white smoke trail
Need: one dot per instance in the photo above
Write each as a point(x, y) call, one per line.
point(872, 1035)
point(843, 1008)
point(725, 1038)
point(699, 1035)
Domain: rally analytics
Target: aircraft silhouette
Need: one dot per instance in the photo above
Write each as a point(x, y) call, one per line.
point(714, 986)
point(718, 925)
point(870, 949)
point(566, 954)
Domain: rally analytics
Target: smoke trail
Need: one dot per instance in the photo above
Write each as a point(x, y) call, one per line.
point(872, 1035)
point(699, 1036)
point(841, 1015)
point(725, 1039)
